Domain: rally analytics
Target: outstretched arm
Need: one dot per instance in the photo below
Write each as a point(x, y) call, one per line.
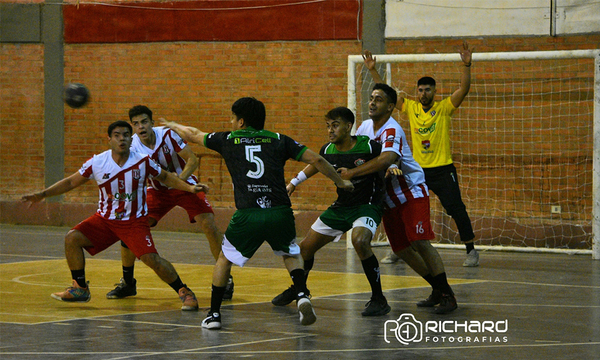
point(465, 78)
point(171, 180)
point(370, 62)
point(303, 175)
point(65, 185)
point(312, 158)
point(380, 163)
point(187, 133)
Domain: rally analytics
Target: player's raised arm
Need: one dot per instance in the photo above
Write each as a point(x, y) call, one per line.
point(187, 133)
point(191, 162)
point(466, 55)
point(60, 187)
point(370, 62)
point(324, 167)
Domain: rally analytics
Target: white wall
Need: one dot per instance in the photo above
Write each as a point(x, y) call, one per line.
point(461, 18)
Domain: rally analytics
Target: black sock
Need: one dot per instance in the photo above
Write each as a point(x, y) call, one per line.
point(128, 274)
point(308, 265)
point(442, 283)
point(216, 298)
point(177, 284)
point(299, 280)
point(430, 280)
point(470, 246)
point(79, 276)
point(371, 268)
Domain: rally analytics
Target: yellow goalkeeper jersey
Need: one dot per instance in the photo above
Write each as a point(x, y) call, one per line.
point(430, 132)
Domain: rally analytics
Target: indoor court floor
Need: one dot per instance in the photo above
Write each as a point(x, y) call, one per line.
point(513, 306)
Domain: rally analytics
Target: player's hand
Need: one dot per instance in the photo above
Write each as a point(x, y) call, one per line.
point(346, 185)
point(369, 59)
point(290, 189)
point(466, 53)
point(32, 198)
point(200, 188)
point(393, 171)
point(164, 122)
point(344, 173)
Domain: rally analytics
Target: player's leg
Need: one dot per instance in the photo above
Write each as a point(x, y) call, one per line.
point(363, 228)
point(127, 286)
point(241, 240)
point(444, 183)
point(295, 264)
point(93, 235)
point(308, 247)
point(136, 235)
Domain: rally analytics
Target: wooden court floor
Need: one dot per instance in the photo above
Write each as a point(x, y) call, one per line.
point(513, 306)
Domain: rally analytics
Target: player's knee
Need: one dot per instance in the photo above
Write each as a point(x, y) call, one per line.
point(152, 260)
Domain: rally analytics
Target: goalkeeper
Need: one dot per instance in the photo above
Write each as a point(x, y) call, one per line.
point(430, 132)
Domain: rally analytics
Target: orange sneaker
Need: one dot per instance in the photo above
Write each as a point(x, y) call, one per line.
point(74, 293)
point(188, 299)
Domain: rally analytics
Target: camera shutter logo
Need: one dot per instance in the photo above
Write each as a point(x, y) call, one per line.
point(406, 329)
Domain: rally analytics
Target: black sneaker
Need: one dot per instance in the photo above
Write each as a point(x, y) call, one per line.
point(376, 307)
point(212, 321)
point(285, 297)
point(432, 300)
point(122, 290)
point(447, 304)
point(228, 295)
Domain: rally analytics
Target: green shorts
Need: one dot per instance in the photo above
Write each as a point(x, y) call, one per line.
point(249, 228)
point(337, 220)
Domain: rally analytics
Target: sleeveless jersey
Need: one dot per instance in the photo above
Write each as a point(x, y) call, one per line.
point(255, 159)
point(368, 189)
point(430, 132)
point(409, 185)
point(121, 189)
point(165, 153)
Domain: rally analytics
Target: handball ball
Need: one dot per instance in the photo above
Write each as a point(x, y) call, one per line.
point(76, 95)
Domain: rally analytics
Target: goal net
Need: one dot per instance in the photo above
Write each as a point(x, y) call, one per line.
point(522, 141)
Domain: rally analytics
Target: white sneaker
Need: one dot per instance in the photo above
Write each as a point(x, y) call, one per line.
point(390, 258)
point(472, 259)
point(306, 311)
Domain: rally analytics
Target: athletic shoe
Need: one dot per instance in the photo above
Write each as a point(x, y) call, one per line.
point(122, 290)
point(74, 293)
point(306, 311)
point(472, 259)
point(390, 258)
point(228, 289)
point(188, 299)
point(447, 304)
point(212, 321)
point(433, 299)
point(287, 296)
point(377, 306)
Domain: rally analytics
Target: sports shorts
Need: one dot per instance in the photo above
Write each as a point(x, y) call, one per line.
point(135, 233)
point(407, 223)
point(160, 202)
point(249, 228)
point(335, 221)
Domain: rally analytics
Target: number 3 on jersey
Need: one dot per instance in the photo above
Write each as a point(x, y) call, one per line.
point(251, 156)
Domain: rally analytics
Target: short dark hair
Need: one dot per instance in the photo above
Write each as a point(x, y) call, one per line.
point(251, 110)
point(426, 80)
point(117, 124)
point(388, 90)
point(139, 110)
point(341, 113)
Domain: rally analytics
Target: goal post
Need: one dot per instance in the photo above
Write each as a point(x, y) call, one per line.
point(526, 142)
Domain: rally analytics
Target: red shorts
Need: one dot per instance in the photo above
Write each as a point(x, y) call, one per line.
point(407, 223)
point(160, 202)
point(103, 233)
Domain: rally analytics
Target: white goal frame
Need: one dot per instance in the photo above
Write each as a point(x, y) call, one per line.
point(354, 60)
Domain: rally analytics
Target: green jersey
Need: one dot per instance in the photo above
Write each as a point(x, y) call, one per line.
point(368, 189)
point(255, 159)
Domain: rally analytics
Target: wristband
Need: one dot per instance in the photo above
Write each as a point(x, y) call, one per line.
point(298, 179)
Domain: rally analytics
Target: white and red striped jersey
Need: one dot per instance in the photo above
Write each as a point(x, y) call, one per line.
point(165, 153)
point(121, 189)
point(411, 184)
